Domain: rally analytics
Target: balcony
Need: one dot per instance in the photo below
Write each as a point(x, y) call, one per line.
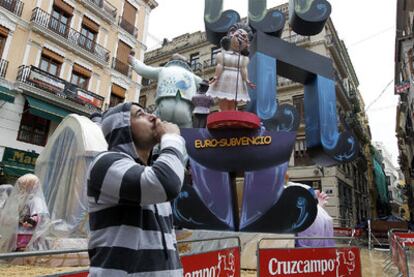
point(129, 27)
point(296, 39)
point(3, 68)
point(69, 37)
point(32, 78)
point(209, 63)
point(121, 67)
point(196, 66)
point(102, 8)
point(15, 6)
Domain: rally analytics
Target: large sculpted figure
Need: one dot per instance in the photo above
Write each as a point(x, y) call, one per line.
point(230, 81)
point(177, 84)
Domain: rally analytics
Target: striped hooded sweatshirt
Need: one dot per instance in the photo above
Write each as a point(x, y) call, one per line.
point(130, 218)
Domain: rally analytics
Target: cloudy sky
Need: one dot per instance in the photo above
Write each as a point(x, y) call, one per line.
point(367, 28)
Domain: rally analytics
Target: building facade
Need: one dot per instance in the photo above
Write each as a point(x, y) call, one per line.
point(404, 80)
point(349, 185)
point(60, 57)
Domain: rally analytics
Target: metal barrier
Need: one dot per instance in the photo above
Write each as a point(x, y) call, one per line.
point(286, 268)
point(224, 259)
point(400, 241)
point(220, 262)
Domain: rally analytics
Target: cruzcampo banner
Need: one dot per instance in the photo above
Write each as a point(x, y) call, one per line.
point(17, 162)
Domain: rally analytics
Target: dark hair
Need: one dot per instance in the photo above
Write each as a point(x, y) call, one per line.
point(241, 25)
point(225, 41)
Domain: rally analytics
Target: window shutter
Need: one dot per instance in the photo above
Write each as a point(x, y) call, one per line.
point(4, 31)
point(130, 13)
point(94, 27)
point(82, 71)
point(58, 58)
point(118, 91)
point(123, 51)
point(64, 7)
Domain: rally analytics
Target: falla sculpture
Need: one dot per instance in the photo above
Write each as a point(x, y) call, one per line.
point(257, 143)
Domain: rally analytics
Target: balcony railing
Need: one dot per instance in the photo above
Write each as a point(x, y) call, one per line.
point(3, 68)
point(196, 66)
point(72, 36)
point(296, 38)
point(15, 6)
point(121, 67)
point(129, 27)
point(43, 80)
point(209, 63)
point(106, 7)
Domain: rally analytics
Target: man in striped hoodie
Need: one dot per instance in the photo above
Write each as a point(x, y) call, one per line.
point(130, 218)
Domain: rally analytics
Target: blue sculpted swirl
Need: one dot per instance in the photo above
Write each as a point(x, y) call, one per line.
point(184, 195)
point(216, 21)
point(262, 70)
point(303, 215)
point(285, 120)
point(325, 144)
point(269, 22)
point(308, 17)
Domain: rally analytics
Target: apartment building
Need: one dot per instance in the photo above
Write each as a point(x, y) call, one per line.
point(349, 185)
point(403, 80)
point(60, 57)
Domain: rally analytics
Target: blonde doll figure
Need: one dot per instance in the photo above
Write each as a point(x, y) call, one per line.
point(230, 81)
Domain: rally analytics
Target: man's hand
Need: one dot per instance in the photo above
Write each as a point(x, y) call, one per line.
point(164, 127)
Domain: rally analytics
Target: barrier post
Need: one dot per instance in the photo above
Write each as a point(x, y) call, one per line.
point(369, 235)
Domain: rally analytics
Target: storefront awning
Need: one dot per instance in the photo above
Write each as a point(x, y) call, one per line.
point(46, 110)
point(6, 94)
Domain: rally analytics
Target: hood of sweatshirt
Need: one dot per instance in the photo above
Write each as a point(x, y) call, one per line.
point(116, 126)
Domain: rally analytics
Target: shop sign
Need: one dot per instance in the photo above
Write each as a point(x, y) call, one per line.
point(18, 159)
point(220, 263)
point(46, 81)
point(327, 262)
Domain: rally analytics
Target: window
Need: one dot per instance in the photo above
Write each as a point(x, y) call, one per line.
point(89, 31)
point(49, 65)
point(121, 60)
point(298, 103)
point(3, 37)
point(87, 39)
point(59, 22)
point(128, 18)
point(80, 76)
point(117, 95)
point(214, 52)
point(194, 58)
point(33, 129)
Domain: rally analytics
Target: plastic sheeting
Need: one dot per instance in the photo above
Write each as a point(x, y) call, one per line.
point(25, 204)
point(381, 182)
point(62, 168)
point(5, 191)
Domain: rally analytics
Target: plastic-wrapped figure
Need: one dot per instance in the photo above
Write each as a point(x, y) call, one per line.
point(177, 85)
point(5, 191)
point(202, 103)
point(25, 210)
point(231, 70)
